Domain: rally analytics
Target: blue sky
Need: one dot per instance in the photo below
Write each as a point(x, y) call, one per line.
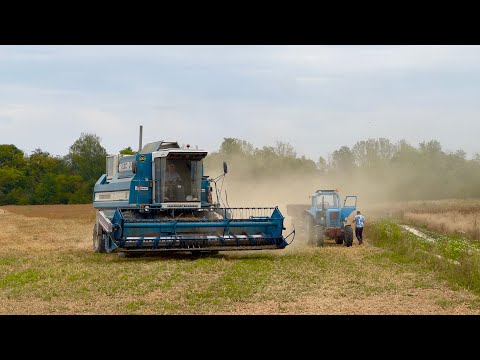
point(317, 98)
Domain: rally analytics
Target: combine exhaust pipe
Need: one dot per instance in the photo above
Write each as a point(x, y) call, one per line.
point(140, 139)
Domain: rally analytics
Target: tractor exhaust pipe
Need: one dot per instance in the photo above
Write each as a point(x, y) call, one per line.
point(140, 139)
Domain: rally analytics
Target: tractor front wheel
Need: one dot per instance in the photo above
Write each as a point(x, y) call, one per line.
point(339, 239)
point(320, 238)
point(348, 236)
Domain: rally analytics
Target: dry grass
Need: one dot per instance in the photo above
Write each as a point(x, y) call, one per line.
point(80, 212)
point(47, 266)
point(450, 222)
point(450, 216)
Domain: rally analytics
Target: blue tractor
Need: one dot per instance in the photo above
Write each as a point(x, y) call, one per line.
point(141, 208)
point(324, 217)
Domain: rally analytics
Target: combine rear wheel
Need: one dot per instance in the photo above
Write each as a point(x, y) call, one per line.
point(309, 230)
point(98, 241)
point(348, 236)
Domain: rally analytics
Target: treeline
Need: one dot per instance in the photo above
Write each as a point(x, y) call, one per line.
point(40, 178)
point(379, 168)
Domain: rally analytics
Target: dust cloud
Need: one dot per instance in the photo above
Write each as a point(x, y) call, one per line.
point(246, 188)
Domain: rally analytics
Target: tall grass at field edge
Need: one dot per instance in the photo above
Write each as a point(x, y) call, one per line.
point(454, 258)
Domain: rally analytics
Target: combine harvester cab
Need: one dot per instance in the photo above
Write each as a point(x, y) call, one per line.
point(140, 210)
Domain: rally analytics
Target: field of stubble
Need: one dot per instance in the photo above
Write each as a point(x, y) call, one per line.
point(47, 266)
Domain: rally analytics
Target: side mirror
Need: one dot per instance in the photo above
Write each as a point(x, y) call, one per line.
point(225, 168)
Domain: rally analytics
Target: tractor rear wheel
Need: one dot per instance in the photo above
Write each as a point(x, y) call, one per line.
point(348, 236)
point(98, 241)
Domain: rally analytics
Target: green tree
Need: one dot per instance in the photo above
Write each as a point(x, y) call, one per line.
point(46, 190)
point(87, 158)
point(127, 151)
point(285, 150)
point(42, 168)
point(11, 156)
point(10, 180)
point(41, 163)
point(343, 160)
point(232, 146)
point(322, 165)
point(72, 189)
point(373, 153)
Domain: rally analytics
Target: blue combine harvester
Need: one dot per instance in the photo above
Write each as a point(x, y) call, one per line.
point(160, 200)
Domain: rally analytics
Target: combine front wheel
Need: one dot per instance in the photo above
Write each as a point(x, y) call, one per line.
point(98, 241)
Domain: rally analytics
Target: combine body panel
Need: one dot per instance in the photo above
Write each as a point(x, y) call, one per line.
point(140, 207)
point(324, 217)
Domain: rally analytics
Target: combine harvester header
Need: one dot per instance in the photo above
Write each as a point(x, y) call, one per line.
point(160, 200)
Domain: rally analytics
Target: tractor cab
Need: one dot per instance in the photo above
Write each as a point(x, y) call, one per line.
point(326, 205)
point(322, 200)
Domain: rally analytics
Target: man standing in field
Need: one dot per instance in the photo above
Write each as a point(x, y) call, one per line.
point(359, 221)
